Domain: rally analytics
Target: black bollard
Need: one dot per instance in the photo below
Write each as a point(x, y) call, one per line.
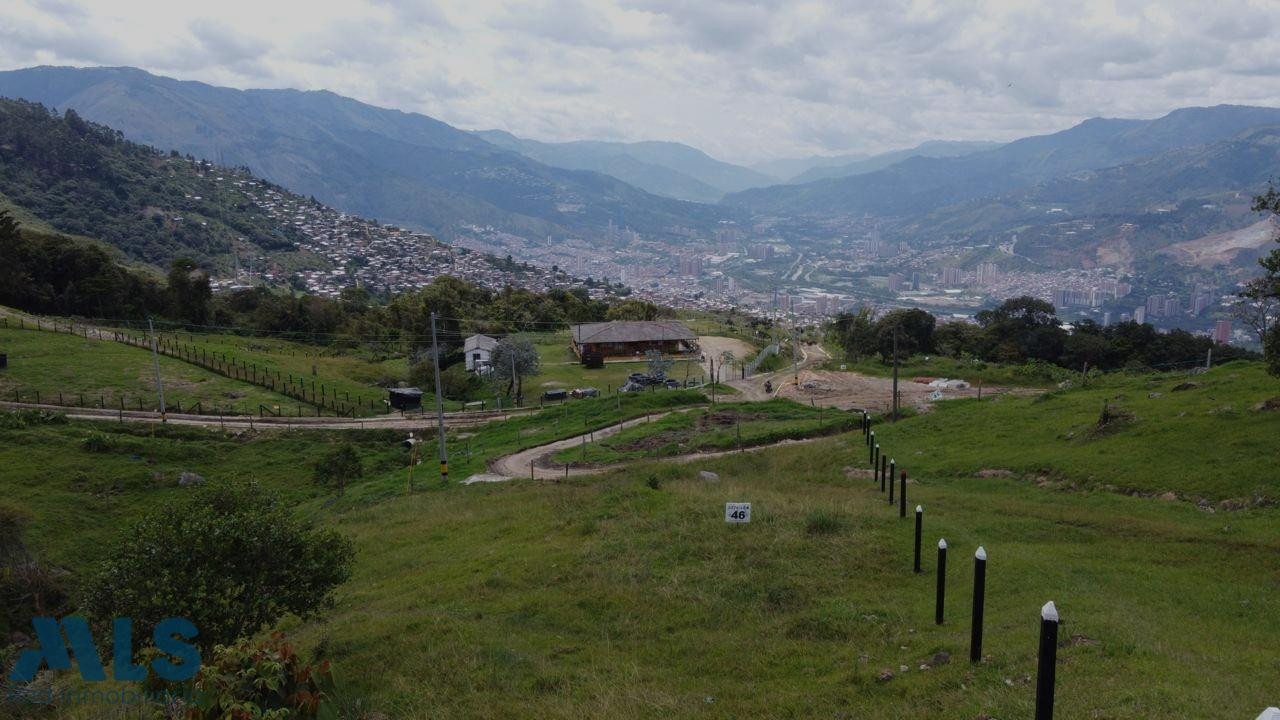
point(919, 525)
point(871, 448)
point(979, 597)
point(1047, 666)
point(883, 462)
point(892, 466)
point(902, 494)
point(942, 581)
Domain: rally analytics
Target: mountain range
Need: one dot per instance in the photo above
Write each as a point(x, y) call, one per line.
point(1170, 177)
point(662, 168)
point(399, 167)
point(919, 185)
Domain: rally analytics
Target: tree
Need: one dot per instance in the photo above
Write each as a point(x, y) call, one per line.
point(512, 360)
point(854, 333)
point(1266, 289)
point(1022, 328)
point(1258, 303)
point(956, 339)
point(657, 363)
point(230, 558)
point(337, 467)
point(636, 310)
point(914, 330)
point(189, 292)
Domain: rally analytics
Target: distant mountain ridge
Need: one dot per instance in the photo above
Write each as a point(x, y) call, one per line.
point(662, 168)
point(931, 149)
point(919, 185)
point(399, 167)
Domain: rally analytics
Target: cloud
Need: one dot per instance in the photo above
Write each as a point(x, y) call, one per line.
point(741, 79)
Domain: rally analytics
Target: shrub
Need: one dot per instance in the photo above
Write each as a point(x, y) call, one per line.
point(99, 443)
point(338, 466)
point(26, 418)
point(230, 558)
point(267, 679)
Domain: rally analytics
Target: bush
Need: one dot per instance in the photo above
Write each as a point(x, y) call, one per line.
point(27, 418)
point(338, 466)
point(27, 588)
point(99, 443)
point(231, 559)
point(252, 680)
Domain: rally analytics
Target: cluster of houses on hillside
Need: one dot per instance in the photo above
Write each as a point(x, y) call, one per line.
point(365, 253)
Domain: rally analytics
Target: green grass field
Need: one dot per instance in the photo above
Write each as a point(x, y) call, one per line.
point(725, 426)
point(970, 370)
point(627, 596)
point(107, 372)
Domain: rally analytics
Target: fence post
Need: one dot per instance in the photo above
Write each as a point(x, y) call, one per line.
point(902, 494)
point(919, 527)
point(893, 464)
point(1046, 669)
point(942, 582)
point(979, 598)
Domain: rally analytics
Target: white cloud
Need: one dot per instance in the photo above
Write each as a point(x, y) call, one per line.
point(742, 80)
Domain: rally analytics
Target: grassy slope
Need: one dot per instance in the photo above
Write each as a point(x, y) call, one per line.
point(972, 371)
point(54, 362)
point(682, 433)
point(601, 597)
point(1202, 442)
point(605, 598)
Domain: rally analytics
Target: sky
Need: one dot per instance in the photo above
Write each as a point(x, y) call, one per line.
point(743, 81)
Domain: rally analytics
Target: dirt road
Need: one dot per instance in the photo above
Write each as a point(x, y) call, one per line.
point(243, 422)
point(713, 346)
point(532, 463)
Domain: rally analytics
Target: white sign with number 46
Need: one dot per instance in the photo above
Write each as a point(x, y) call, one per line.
point(737, 512)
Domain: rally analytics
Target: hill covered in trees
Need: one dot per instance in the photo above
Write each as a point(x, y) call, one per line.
point(86, 179)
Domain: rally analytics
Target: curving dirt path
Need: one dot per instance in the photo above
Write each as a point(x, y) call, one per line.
point(525, 463)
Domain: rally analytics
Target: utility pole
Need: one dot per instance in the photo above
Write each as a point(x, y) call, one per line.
point(895, 374)
point(795, 367)
point(435, 354)
point(155, 356)
point(515, 381)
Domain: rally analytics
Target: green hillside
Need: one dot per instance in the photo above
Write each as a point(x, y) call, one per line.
point(85, 179)
point(626, 595)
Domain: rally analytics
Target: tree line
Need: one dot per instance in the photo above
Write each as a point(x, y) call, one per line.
point(1020, 330)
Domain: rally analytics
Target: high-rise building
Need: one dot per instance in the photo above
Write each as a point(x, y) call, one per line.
point(691, 267)
point(1222, 331)
point(1140, 315)
point(1172, 306)
point(988, 274)
point(1155, 306)
point(1106, 318)
point(915, 281)
point(895, 282)
point(951, 277)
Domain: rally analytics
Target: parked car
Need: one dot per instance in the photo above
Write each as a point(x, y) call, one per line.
point(584, 392)
point(555, 394)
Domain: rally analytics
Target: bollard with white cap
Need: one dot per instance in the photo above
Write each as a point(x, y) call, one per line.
point(942, 580)
point(919, 527)
point(979, 598)
point(1047, 664)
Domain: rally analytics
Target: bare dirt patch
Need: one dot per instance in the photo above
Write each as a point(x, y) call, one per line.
point(727, 418)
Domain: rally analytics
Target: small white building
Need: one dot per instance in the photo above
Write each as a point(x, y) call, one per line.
point(478, 349)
